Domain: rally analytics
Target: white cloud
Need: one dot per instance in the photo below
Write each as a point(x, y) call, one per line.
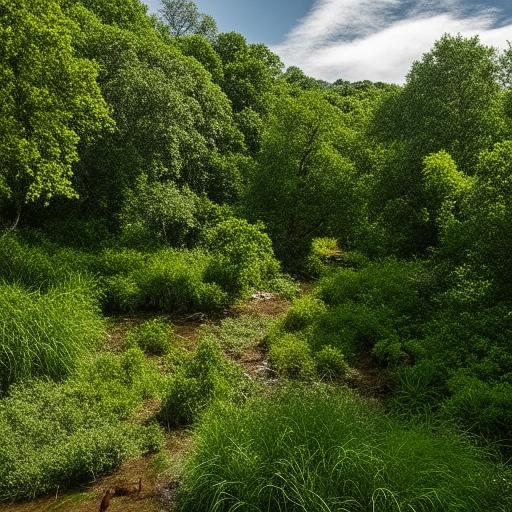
point(379, 39)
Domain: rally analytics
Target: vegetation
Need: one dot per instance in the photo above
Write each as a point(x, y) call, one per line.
point(324, 450)
point(157, 169)
point(61, 435)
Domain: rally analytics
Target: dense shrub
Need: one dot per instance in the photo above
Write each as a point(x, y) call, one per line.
point(160, 211)
point(330, 363)
point(176, 281)
point(58, 435)
point(323, 257)
point(45, 334)
point(304, 312)
point(166, 280)
point(400, 285)
point(291, 356)
point(152, 336)
point(243, 257)
point(318, 450)
point(204, 378)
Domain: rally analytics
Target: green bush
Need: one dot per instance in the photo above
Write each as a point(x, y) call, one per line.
point(55, 436)
point(322, 451)
point(175, 281)
point(401, 286)
point(204, 378)
point(485, 408)
point(323, 257)
point(330, 363)
point(45, 334)
point(243, 257)
point(291, 356)
point(303, 313)
point(152, 336)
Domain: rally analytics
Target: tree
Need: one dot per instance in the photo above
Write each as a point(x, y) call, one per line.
point(250, 71)
point(170, 116)
point(201, 49)
point(49, 102)
point(450, 101)
point(481, 231)
point(303, 187)
point(505, 67)
point(183, 17)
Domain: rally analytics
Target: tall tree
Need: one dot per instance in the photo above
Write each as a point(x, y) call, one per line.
point(303, 187)
point(49, 99)
point(183, 17)
point(450, 102)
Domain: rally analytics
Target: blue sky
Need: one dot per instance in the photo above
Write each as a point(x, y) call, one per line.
point(359, 39)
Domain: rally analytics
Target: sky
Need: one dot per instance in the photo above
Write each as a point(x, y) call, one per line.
point(358, 39)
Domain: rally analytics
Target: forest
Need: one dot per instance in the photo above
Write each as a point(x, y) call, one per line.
point(244, 288)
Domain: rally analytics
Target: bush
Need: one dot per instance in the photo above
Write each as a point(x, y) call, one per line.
point(45, 334)
point(291, 356)
point(204, 378)
point(321, 450)
point(243, 257)
point(152, 336)
point(330, 363)
point(160, 211)
point(165, 280)
point(323, 257)
point(55, 436)
point(175, 281)
point(303, 313)
point(485, 408)
point(399, 285)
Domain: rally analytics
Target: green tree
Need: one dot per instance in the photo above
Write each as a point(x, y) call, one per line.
point(170, 116)
point(183, 17)
point(249, 72)
point(202, 50)
point(480, 233)
point(450, 101)
point(303, 187)
point(49, 102)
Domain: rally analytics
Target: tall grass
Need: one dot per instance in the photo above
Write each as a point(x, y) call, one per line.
point(320, 450)
point(45, 334)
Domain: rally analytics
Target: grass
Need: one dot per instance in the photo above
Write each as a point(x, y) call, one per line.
point(322, 450)
point(237, 334)
point(46, 334)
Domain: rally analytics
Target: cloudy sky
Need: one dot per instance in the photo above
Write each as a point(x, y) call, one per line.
point(359, 39)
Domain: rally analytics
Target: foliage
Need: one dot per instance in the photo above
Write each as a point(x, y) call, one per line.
point(50, 100)
point(56, 436)
point(291, 356)
point(204, 378)
point(303, 186)
point(183, 17)
point(152, 336)
point(161, 211)
point(45, 334)
point(304, 312)
point(322, 450)
point(330, 363)
point(243, 256)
